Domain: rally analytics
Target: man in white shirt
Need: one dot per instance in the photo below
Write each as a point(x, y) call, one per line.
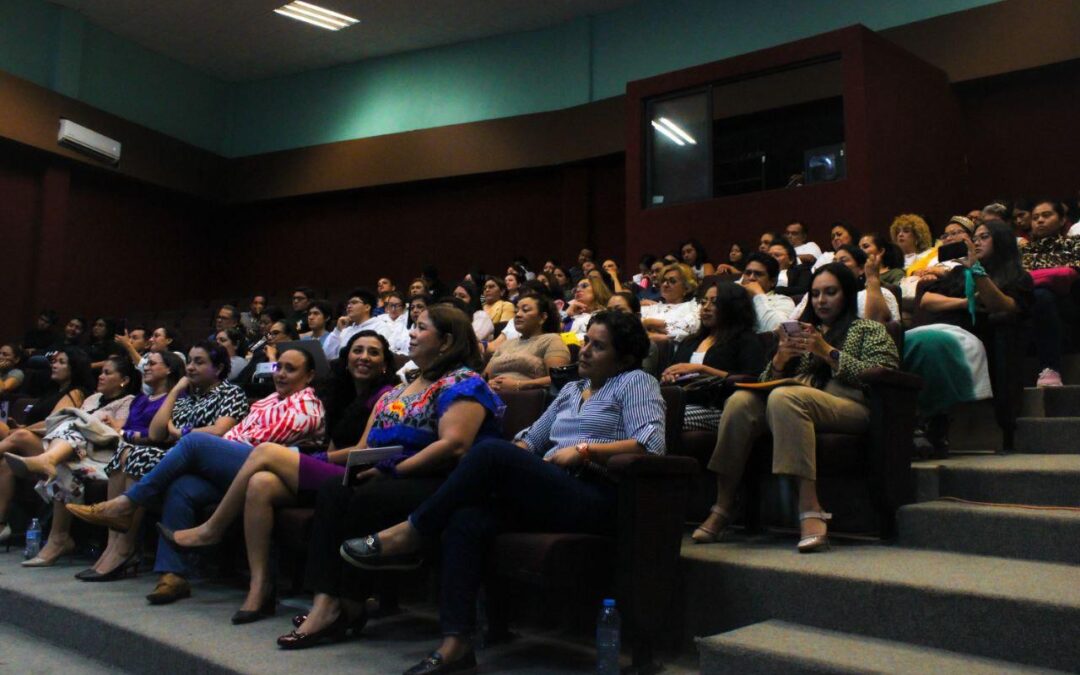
point(759, 279)
point(358, 309)
point(807, 251)
point(398, 320)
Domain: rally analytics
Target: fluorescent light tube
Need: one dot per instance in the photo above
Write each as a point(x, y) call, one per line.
point(678, 130)
point(667, 132)
point(316, 16)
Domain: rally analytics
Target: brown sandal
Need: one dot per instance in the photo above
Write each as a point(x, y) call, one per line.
point(705, 535)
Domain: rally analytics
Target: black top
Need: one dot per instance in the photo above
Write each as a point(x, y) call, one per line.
point(952, 285)
point(798, 281)
point(742, 355)
point(38, 339)
point(44, 406)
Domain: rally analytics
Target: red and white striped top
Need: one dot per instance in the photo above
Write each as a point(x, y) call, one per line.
point(299, 417)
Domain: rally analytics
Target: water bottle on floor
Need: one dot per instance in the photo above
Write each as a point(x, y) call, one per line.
point(607, 639)
point(33, 540)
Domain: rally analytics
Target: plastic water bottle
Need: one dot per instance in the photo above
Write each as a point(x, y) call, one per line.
point(33, 540)
point(608, 625)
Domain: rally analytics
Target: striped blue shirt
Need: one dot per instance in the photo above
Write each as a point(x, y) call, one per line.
point(629, 405)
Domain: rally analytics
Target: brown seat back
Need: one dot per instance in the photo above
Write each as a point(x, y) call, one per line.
point(522, 409)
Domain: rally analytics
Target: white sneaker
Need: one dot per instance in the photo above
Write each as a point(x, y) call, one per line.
point(1049, 378)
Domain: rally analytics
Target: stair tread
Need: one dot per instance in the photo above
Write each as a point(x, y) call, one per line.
point(1047, 583)
point(944, 507)
point(1012, 463)
point(852, 653)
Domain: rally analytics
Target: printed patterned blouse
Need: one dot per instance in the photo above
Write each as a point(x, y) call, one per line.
point(412, 421)
point(297, 417)
point(201, 410)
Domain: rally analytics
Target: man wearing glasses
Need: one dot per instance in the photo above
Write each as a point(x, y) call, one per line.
point(227, 317)
point(301, 303)
point(759, 280)
point(359, 311)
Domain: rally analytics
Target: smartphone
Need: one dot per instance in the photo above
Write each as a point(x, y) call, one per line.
point(791, 328)
point(957, 249)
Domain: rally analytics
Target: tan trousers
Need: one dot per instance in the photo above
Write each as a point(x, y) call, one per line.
point(793, 415)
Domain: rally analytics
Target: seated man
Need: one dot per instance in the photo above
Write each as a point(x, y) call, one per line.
point(759, 279)
point(794, 278)
point(359, 315)
point(798, 235)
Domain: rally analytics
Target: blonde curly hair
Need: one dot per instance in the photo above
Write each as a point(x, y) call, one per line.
point(686, 273)
point(917, 225)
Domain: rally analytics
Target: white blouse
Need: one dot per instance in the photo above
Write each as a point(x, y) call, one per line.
point(681, 319)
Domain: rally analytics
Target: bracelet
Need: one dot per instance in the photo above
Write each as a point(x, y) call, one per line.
point(185, 430)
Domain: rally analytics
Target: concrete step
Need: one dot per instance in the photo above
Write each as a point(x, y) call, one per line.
point(1051, 401)
point(1050, 534)
point(1015, 610)
point(25, 654)
point(1048, 435)
point(1043, 480)
point(782, 648)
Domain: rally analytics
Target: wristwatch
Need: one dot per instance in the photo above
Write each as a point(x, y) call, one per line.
point(834, 356)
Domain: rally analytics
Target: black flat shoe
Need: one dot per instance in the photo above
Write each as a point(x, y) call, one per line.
point(130, 567)
point(87, 574)
point(335, 632)
point(434, 665)
point(170, 538)
point(268, 608)
point(366, 553)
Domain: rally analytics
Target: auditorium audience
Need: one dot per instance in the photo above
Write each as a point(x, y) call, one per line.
point(198, 469)
point(1021, 219)
point(555, 289)
point(202, 401)
point(395, 313)
point(42, 336)
point(513, 280)
point(250, 319)
point(954, 323)
point(911, 233)
point(495, 303)
point(11, 377)
point(436, 418)
point(552, 480)
point(611, 271)
point(319, 314)
point(827, 357)
point(524, 361)
point(840, 234)
point(959, 229)
point(675, 317)
point(301, 300)
point(873, 302)
point(1052, 257)
point(227, 317)
point(736, 258)
point(102, 343)
point(725, 345)
point(627, 303)
point(274, 475)
point(233, 342)
point(359, 315)
point(759, 280)
point(72, 436)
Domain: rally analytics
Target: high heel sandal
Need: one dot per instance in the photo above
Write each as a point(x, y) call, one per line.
point(38, 561)
point(815, 542)
point(705, 535)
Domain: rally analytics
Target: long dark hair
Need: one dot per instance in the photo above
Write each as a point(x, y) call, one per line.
point(82, 375)
point(837, 333)
point(464, 349)
point(1003, 266)
point(545, 305)
point(474, 296)
point(123, 365)
point(734, 311)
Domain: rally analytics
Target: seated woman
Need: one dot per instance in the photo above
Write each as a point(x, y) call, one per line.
point(279, 331)
point(725, 345)
point(693, 255)
point(912, 235)
point(11, 377)
point(736, 259)
point(958, 229)
point(515, 279)
point(873, 302)
point(553, 480)
point(232, 340)
point(524, 361)
point(436, 418)
point(198, 469)
point(199, 398)
point(675, 317)
point(840, 234)
point(628, 303)
point(495, 303)
point(947, 346)
point(481, 322)
point(590, 295)
point(794, 277)
point(891, 269)
point(102, 342)
point(72, 381)
point(1052, 256)
point(67, 439)
point(555, 290)
point(611, 269)
point(834, 348)
point(274, 476)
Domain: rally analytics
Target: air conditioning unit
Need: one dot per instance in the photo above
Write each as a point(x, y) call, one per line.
point(88, 142)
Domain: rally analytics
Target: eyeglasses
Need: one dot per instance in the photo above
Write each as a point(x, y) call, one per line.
point(394, 305)
point(754, 273)
point(671, 281)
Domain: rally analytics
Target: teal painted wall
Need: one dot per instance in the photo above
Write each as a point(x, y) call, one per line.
point(571, 64)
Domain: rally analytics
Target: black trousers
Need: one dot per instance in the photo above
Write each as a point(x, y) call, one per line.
point(346, 512)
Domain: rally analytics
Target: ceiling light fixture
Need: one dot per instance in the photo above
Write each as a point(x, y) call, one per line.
point(667, 132)
point(316, 16)
point(678, 130)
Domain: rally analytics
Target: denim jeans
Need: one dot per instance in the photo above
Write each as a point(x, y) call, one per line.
point(500, 487)
point(195, 473)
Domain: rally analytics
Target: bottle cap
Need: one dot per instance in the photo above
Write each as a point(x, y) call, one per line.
point(609, 602)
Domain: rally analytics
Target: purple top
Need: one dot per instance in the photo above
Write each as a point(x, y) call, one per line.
point(141, 414)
